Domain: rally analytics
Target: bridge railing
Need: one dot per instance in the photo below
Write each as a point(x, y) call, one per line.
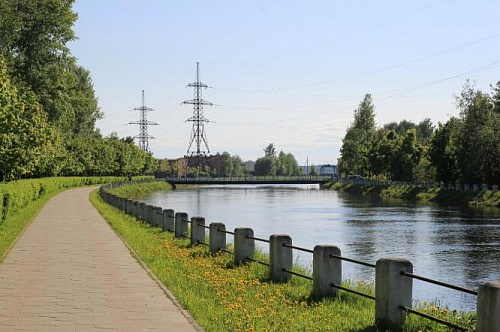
point(393, 276)
point(249, 178)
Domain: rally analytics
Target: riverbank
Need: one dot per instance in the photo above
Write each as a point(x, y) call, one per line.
point(223, 297)
point(408, 192)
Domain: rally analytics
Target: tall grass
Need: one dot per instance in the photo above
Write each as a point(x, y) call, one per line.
point(224, 297)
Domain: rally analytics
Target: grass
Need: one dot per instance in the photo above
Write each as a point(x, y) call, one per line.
point(224, 297)
point(139, 189)
point(437, 195)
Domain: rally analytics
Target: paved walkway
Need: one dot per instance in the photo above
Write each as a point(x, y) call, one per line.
point(70, 272)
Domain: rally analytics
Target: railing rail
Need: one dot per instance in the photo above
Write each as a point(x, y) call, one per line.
point(440, 283)
point(352, 260)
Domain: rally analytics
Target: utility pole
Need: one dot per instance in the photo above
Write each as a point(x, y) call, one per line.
point(143, 125)
point(198, 130)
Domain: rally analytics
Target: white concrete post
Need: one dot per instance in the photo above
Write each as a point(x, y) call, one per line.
point(488, 307)
point(197, 230)
point(280, 257)
point(130, 205)
point(217, 238)
point(392, 290)
point(327, 270)
point(148, 214)
point(158, 216)
point(244, 247)
point(141, 209)
point(168, 223)
point(181, 225)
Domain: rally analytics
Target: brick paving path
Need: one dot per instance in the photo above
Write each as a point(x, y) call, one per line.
point(70, 272)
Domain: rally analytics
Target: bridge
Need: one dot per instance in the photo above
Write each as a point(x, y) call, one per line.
point(250, 180)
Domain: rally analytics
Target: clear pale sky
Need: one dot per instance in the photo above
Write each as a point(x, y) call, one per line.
point(284, 72)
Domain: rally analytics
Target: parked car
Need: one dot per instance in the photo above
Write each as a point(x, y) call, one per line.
point(355, 176)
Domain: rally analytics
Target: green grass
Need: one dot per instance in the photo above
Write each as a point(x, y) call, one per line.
point(437, 195)
point(139, 189)
point(223, 297)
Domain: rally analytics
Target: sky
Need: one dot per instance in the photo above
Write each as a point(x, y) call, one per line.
point(288, 72)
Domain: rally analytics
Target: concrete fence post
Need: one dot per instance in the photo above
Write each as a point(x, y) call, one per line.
point(141, 210)
point(280, 257)
point(158, 216)
point(168, 223)
point(494, 188)
point(392, 290)
point(484, 187)
point(181, 225)
point(149, 215)
point(135, 209)
point(197, 230)
point(475, 187)
point(217, 238)
point(488, 307)
point(243, 246)
point(327, 270)
point(130, 205)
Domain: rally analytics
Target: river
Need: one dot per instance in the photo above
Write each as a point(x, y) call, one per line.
point(460, 246)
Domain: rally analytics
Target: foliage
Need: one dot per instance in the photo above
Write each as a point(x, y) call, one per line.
point(27, 141)
point(464, 149)
point(34, 42)
point(231, 165)
point(273, 164)
point(358, 139)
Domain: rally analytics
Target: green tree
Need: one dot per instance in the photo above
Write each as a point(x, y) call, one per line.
point(478, 152)
point(382, 153)
point(27, 141)
point(357, 141)
point(264, 166)
point(443, 151)
point(34, 42)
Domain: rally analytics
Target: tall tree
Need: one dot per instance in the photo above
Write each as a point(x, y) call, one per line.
point(358, 139)
point(27, 141)
point(443, 151)
point(478, 152)
point(34, 42)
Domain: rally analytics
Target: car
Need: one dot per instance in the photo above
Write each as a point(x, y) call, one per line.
point(355, 176)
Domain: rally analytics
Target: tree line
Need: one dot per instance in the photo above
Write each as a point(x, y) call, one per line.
point(464, 149)
point(48, 107)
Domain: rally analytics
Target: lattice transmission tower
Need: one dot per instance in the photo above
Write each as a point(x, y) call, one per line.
point(143, 123)
point(198, 134)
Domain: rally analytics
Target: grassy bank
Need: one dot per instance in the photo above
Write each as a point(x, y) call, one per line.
point(223, 297)
point(139, 189)
point(442, 196)
point(22, 200)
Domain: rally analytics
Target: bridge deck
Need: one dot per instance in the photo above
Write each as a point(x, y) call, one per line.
point(251, 180)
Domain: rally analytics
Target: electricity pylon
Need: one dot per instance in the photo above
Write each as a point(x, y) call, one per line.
point(143, 123)
point(198, 131)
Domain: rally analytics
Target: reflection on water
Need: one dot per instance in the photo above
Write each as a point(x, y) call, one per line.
point(458, 246)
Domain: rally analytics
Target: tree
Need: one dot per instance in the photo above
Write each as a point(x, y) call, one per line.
point(382, 153)
point(358, 139)
point(443, 151)
point(478, 152)
point(34, 42)
point(264, 166)
point(27, 141)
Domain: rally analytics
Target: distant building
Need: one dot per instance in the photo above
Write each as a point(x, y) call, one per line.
point(249, 166)
point(326, 169)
